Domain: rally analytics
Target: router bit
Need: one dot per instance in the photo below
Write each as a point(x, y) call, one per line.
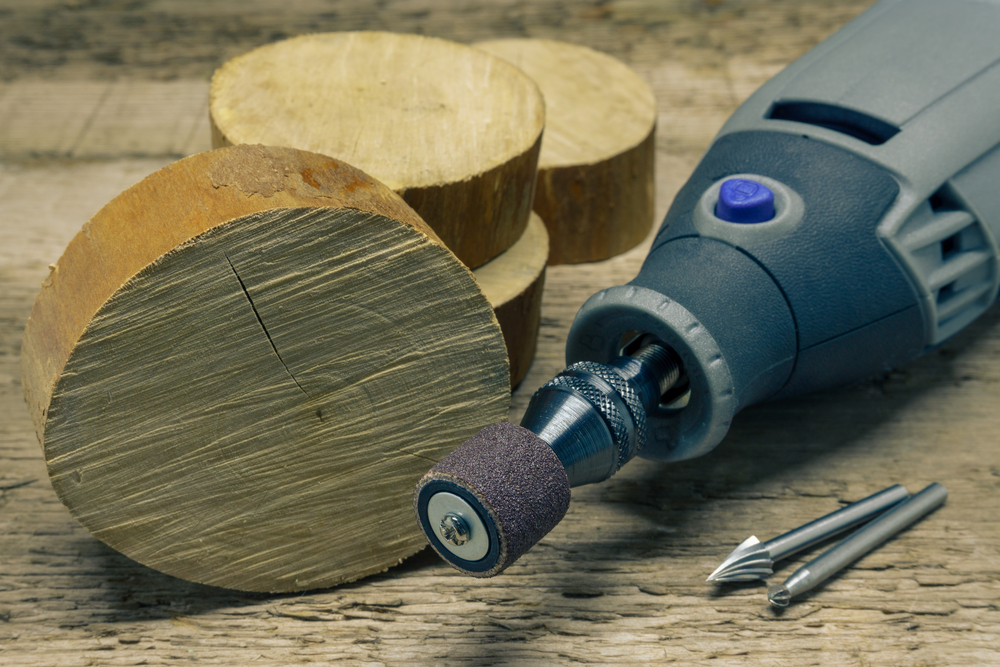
point(754, 559)
point(844, 221)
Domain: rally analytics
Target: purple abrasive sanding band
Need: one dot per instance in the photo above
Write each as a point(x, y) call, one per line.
point(517, 479)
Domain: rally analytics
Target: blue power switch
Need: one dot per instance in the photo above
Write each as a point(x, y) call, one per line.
point(744, 201)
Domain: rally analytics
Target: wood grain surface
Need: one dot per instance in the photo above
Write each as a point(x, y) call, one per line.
point(234, 346)
point(513, 283)
point(621, 580)
point(454, 131)
point(595, 186)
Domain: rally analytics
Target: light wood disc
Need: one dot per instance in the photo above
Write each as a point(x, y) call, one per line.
point(513, 283)
point(455, 131)
point(241, 365)
point(595, 188)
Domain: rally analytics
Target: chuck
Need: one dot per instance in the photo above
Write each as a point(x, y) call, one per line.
point(496, 496)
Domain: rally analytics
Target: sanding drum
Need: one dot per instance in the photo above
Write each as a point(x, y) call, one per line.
point(485, 503)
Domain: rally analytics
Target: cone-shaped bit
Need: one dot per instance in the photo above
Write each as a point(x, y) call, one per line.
point(748, 562)
point(492, 499)
point(753, 559)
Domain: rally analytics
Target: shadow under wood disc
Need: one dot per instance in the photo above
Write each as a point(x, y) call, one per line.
point(241, 366)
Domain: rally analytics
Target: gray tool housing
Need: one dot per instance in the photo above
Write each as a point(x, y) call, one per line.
point(881, 145)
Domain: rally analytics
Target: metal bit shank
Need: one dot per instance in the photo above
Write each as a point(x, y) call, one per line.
point(753, 560)
point(835, 522)
point(857, 544)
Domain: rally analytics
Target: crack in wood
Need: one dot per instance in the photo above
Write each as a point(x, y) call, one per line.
point(260, 321)
point(424, 458)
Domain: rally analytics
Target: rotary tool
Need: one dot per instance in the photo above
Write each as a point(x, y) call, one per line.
point(844, 221)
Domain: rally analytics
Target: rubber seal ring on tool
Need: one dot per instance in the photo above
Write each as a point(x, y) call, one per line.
point(671, 435)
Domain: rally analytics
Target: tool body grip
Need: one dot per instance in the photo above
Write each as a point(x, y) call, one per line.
point(853, 311)
point(807, 301)
point(883, 237)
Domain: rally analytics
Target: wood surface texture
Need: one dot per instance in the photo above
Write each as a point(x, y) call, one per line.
point(513, 283)
point(621, 579)
point(595, 187)
point(241, 364)
point(453, 130)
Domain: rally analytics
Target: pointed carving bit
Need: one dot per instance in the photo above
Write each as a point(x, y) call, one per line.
point(857, 544)
point(753, 559)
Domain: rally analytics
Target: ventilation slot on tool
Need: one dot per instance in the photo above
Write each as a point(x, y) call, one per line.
point(853, 123)
point(954, 257)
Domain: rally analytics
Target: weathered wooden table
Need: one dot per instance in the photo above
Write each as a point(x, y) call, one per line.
point(95, 95)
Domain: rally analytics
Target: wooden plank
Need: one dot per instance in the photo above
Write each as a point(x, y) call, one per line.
point(620, 581)
point(167, 39)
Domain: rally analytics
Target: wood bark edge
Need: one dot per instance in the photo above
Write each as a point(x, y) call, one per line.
point(596, 211)
point(595, 188)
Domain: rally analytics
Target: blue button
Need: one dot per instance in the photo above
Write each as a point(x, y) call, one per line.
point(745, 201)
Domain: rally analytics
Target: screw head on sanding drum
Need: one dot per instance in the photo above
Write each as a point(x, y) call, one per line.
point(515, 490)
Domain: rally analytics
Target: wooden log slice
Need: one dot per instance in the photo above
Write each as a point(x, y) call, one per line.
point(455, 131)
point(595, 188)
point(241, 365)
point(513, 283)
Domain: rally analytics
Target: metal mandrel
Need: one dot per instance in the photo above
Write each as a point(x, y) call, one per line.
point(754, 559)
point(857, 544)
